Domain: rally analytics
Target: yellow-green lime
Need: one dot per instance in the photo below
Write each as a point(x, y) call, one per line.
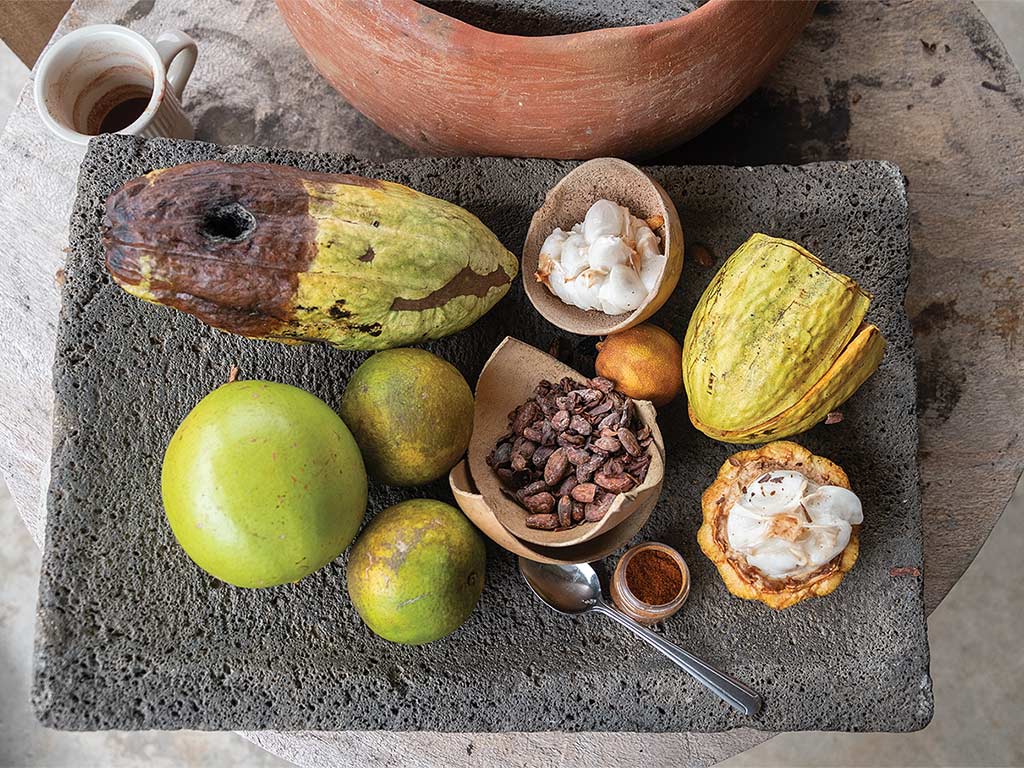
point(411, 413)
point(416, 572)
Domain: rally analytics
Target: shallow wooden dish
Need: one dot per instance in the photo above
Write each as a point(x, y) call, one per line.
point(455, 89)
point(566, 204)
point(507, 381)
point(482, 516)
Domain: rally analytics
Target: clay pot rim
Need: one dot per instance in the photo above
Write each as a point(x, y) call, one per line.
point(610, 34)
point(594, 322)
point(496, 396)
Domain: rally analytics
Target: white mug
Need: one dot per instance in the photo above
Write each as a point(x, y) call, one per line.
point(108, 79)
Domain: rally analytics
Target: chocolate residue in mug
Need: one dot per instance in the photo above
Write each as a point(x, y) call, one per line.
point(117, 109)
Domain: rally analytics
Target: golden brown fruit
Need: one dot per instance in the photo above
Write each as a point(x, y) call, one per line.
point(740, 578)
point(645, 362)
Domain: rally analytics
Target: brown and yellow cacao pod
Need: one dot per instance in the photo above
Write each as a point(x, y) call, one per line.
point(777, 341)
point(274, 252)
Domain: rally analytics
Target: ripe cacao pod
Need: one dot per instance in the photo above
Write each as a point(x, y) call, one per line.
point(776, 342)
point(275, 252)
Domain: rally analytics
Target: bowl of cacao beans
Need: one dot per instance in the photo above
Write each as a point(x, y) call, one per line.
point(559, 458)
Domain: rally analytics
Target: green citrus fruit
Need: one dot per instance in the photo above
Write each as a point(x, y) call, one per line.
point(411, 413)
point(416, 571)
point(263, 484)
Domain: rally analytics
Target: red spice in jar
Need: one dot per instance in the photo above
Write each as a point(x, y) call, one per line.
point(654, 577)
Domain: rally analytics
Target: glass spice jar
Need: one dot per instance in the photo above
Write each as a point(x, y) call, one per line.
point(650, 583)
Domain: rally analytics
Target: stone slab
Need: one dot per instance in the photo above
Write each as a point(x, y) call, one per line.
point(132, 635)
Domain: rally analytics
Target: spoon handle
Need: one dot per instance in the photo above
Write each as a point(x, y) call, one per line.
point(727, 688)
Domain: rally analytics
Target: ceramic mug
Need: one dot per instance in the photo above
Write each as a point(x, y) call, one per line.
point(108, 79)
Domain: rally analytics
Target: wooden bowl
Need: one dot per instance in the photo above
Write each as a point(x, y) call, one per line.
point(446, 87)
point(506, 382)
point(566, 204)
point(482, 516)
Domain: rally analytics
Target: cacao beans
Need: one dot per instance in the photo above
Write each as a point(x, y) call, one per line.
point(578, 480)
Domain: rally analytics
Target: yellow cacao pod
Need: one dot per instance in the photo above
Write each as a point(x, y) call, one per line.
point(776, 342)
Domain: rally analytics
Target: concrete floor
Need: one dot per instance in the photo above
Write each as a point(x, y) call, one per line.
point(977, 664)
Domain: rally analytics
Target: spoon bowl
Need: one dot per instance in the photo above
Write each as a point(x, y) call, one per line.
point(569, 589)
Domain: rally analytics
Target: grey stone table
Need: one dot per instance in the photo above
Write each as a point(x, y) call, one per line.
point(925, 84)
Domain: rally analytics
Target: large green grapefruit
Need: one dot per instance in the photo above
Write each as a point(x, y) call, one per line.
point(263, 484)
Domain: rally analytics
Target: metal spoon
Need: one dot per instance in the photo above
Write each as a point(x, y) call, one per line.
point(575, 589)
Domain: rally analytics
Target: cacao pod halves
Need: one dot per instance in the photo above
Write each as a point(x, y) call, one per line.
point(776, 342)
point(274, 252)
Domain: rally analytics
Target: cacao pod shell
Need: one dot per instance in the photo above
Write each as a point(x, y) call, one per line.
point(275, 252)
point(776, 342)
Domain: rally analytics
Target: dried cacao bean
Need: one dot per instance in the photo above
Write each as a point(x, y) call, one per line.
point(526, 414)
point(599, 507)
point(556, 467)
point(614, 483)
point(564, 512)
point(529, 490)
point(568, 438)
point(560, 421)
point(580, 426)
point(584, 492)
point(579, 512)
point(534, 435)
point(502, 455)
point(539, 503)
point(629, 441)
point(607, 444)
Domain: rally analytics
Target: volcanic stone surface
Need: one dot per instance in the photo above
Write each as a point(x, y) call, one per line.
point(560, 17)
point(133, 635)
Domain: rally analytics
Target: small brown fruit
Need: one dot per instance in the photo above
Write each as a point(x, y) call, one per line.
point(645, 362)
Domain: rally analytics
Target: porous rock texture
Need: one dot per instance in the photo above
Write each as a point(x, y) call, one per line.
point(560, 17)
point(132, 635)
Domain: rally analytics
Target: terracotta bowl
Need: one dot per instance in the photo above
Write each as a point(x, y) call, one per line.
point(482, 516)
point(506, 382)
point(566, 204)
point(446, 87)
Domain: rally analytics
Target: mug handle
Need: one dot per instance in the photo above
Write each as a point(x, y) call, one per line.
point(178, 52)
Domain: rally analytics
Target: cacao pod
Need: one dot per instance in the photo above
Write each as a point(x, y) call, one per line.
point(776, 342)
point(274, 252)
